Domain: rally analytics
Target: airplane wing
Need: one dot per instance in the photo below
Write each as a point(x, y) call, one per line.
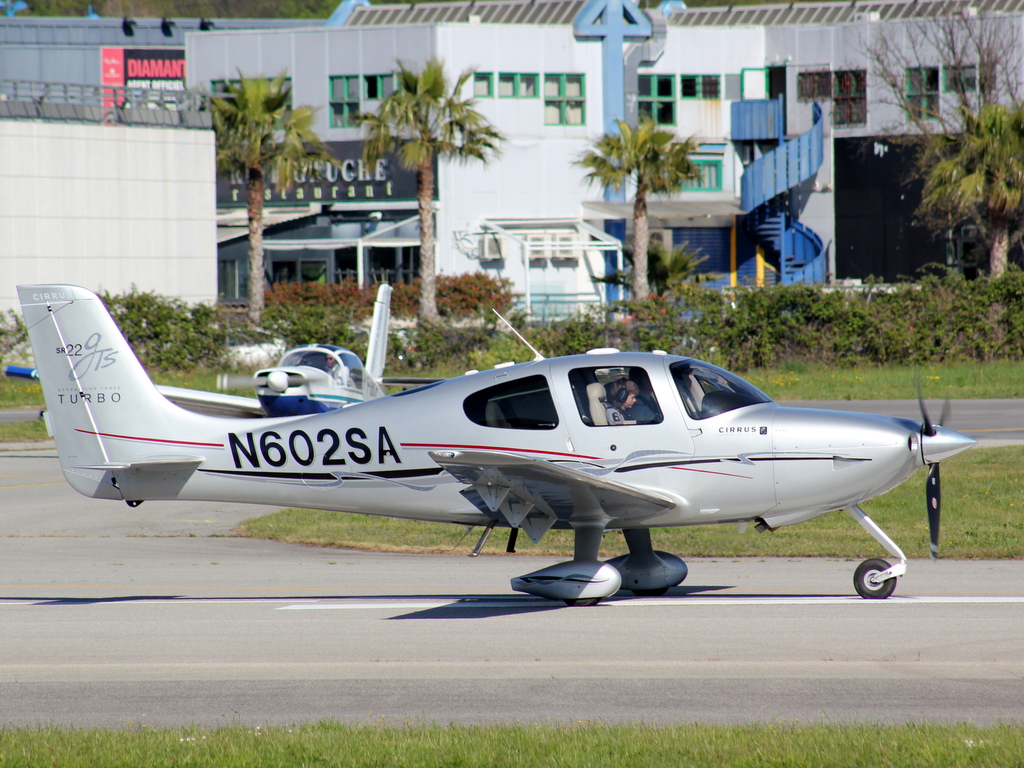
point(213, 403)
point(533, 494)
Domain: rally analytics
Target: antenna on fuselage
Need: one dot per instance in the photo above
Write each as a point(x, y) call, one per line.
point(536, 355)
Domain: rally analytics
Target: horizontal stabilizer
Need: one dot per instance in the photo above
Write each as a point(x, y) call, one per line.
point(153, 477)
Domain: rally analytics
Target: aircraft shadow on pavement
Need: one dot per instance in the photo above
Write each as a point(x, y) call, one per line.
point(511, 605)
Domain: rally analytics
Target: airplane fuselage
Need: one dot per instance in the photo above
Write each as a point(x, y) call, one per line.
point(782, 465)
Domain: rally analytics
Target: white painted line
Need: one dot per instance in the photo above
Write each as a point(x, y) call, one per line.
point(661, 603)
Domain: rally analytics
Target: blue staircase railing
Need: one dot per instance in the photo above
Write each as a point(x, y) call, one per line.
point(771, 222)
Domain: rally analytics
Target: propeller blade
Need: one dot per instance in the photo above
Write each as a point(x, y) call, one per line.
point(927, 428)
point(933, 496)
point(945, 413)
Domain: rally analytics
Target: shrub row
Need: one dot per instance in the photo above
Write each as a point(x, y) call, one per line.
point(939, 319)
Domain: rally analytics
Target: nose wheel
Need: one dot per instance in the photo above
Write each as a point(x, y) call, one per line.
point(875, 579)
point(871, 582)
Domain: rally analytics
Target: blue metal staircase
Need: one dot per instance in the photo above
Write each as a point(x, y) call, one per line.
point(765, 186)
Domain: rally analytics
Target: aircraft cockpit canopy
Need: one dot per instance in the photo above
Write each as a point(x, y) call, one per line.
point(342, 364)
point(707, 390)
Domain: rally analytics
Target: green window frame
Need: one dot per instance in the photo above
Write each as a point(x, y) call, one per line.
point(518, 85)
point(960, 79)
point(850, 97)
point(378, 87)
point(483, 85)
point(700, 87)
point(710, 176)
point(923, 92)
point(565, 99)
point(656, 98)
point(344, 101)
point(814, 85)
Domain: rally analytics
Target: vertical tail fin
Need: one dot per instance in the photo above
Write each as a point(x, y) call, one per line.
point(377, 349)
point(96, 390)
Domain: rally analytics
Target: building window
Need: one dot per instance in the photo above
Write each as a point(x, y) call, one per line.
point(483, 85)
point(710, 176)
point(657, 98)
point(564, 97)
point(377, 87)
point(512, 85)
point(344, 101)
point(814, 86)
point(707, 87)
point(923, 92)
point(961, 79)
point(850, 93)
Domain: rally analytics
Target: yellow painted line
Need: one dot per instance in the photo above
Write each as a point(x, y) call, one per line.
point(999, 429)
point(30, 485)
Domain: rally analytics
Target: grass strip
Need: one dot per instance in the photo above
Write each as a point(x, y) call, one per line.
point(576, 745)
point(982, 504)
point(795, 381)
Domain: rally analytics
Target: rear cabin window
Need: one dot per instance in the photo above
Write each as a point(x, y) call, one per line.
point(518, 404)
point(707, 390)
point(616, 396)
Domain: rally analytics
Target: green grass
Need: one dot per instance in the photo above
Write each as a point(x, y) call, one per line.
point(23, 432)
point(891, 382)
point(573, 745)
point(982, 499)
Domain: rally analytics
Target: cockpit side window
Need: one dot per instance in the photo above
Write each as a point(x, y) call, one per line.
point(614, 396)
point(518, 404)
point(707, 390)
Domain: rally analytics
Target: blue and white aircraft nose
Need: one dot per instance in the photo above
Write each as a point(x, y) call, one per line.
point(944, 444)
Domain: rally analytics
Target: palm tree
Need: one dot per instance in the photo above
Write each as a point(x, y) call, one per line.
point(980, 176)
point(425, 119)
point(259, 134)
point(655, 162)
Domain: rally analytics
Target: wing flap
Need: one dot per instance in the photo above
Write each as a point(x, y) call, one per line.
point(533, 494)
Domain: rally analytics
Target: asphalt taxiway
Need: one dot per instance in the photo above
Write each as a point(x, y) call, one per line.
point(113, 616)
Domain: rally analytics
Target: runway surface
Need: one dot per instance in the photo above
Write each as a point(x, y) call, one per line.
point(112, 616)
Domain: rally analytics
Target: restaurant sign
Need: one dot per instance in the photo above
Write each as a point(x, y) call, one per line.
point(351, 181)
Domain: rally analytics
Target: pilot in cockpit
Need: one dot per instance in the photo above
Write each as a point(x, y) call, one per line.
point(622, 394)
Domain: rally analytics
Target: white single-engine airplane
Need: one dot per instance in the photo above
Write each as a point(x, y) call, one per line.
point(532, 446)
point(317, 378)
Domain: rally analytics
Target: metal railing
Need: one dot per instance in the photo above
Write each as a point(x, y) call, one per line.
point(554, 306)
point(110, 104)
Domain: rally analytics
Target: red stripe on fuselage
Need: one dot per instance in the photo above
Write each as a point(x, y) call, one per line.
point(151, 439)
point(711, 472)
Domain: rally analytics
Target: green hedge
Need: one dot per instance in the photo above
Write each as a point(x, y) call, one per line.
point(168, 334)
point(939, 319)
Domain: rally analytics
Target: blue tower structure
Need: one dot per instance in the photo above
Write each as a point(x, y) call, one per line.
point(767, 187)
point(612, 23)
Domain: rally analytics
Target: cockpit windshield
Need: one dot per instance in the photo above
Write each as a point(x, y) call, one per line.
point(343, 365)
point(708, 390)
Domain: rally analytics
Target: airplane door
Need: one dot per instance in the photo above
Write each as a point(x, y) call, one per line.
point(621, 412)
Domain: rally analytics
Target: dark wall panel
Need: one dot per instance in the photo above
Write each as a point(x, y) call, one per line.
point(875, 213)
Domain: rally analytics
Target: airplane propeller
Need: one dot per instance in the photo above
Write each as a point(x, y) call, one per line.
point(933, 485)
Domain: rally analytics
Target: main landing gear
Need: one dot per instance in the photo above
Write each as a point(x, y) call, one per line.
point(585, 580)
point(875, 579)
